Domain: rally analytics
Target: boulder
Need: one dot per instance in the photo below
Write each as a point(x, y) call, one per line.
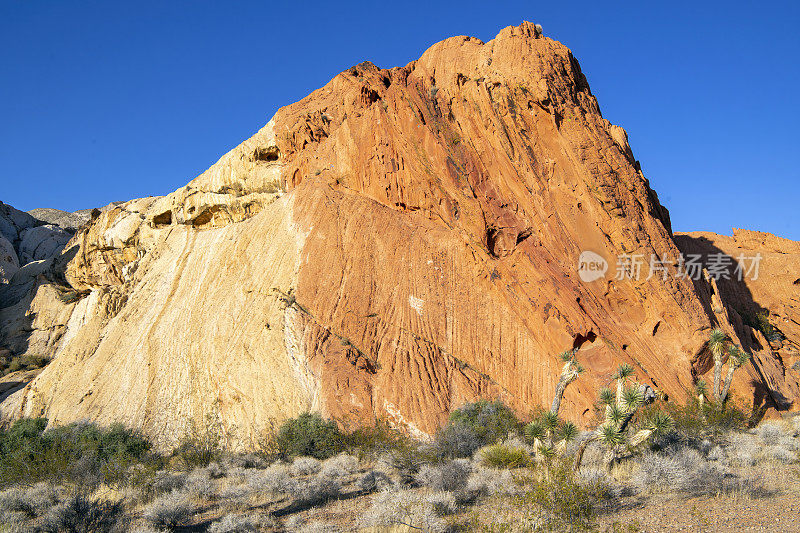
point(42, 242)
point(9, 263)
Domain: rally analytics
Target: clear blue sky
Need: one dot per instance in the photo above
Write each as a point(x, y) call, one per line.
point(103, 101)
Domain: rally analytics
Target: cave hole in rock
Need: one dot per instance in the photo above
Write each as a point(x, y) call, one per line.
point(581, 339)
point(270, 153)
point(164, 219)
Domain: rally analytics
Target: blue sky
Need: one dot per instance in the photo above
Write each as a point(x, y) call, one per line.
point(103, 101)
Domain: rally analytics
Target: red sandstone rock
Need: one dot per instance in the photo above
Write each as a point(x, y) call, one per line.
point(424, 254)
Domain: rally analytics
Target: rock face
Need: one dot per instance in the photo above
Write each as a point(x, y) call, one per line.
point(397, 243)
point(35, 236)
point(769, 289)
point(63, 219)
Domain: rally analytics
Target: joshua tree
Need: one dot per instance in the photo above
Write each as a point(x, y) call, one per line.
point(549, 435)
point(736, 358)
point(569, 373)
point(623, 373)
point(701, 388)
point(620, 409)
point(717, 343)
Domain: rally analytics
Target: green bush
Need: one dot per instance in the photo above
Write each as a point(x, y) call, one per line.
point(564, 503)
point(309, 435)
point(504, 456)
point(10, 364)
point(711, 421)
point(373, 441)
point(475, 425)
point(76, 453)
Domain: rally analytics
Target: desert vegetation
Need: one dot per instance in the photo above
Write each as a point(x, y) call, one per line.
point(487, 469)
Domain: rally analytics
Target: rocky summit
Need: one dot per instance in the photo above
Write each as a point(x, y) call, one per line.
point(397, 243)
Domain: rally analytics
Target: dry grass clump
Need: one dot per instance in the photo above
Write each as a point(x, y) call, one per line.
point(684, 470)
point(44, 507)
point(243, 523)
point(503, 455)
point(447, 476)
point(170, 510)
point(340, 466)
point(304, 466)
point(24, 503)
point(411, 508)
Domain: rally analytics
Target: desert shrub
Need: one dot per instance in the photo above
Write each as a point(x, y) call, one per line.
point(407, 460)
point(681, 470)
point(233, 523)
point(340, 466)
point(404, 507)
point(712, 421)
point(373, 441)
point(245, 460)
point(275, 479)
point(316, 490)
point(10, 364)
point(309, 435)
point(79, 514)
point(374, 480)
point(27, 502)
point(770, 442)
point(474, 425)
point(169, 510)
point(201, 445)
point(76, 453)
point(781, 455)
point(489, 482)
point(502, 455)
point(447, 476)
point(442, 503)
point(562, 500)
point(457, 441)
point(165, 481)
point(200, 483)
point(303, 466)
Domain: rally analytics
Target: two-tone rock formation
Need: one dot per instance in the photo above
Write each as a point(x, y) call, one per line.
point(397, 243)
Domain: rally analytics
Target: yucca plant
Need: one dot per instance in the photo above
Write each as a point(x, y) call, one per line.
point(569, 373)
point(720, 344)
point(717, 344)
point(736, 359)
point(701, 389)
point(614, 432)
point(549, 435)
point(623, 373)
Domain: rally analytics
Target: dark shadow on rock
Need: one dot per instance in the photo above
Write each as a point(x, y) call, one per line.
point(16, 320)
point(741, 306)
